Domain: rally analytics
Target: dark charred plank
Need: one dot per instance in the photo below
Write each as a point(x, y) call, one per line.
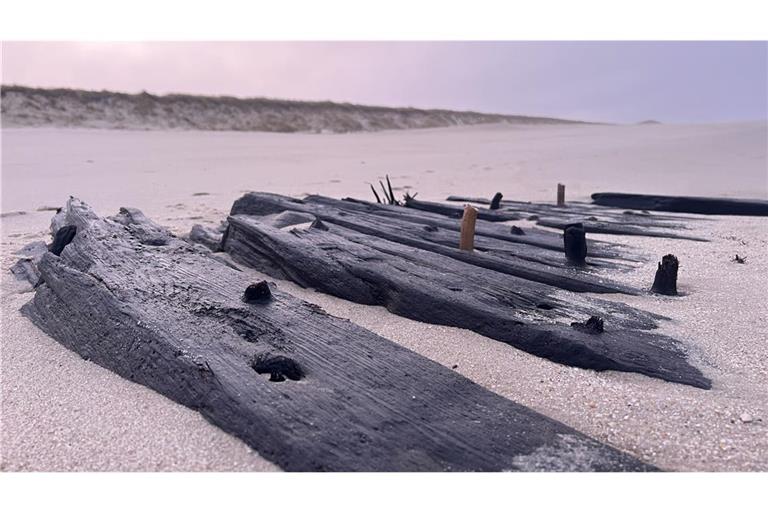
point(613, 228)
point(577, 211)
point(683, 204)
point(599, 219)
point(436, 240)
point(525, 243)
point(309, 391)
point(430, 287)
point(456, 212)
point(531, 237)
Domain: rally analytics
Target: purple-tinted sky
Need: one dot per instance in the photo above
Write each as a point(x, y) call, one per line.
point(601, 81)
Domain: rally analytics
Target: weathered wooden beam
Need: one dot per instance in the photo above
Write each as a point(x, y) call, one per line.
point(683, 204)
point(427, 238)
point(586, 210)
point(532, 237)
point(432, 288)
point(309, 391)
point(456, 212)
point(618, 228)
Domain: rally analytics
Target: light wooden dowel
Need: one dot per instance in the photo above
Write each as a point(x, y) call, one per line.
point(560, 194)
point(467, 240)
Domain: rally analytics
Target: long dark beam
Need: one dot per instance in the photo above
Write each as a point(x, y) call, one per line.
point(683, 204)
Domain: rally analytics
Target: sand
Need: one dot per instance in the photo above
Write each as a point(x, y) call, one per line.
point(62, 413)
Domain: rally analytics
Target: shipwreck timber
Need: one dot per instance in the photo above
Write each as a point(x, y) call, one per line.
point(307, 390)
point(354, 257)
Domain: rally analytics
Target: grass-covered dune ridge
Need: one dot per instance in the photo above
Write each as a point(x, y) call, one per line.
point(26, 106)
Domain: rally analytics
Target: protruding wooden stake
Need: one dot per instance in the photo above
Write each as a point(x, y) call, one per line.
point(467, 239)
point(575, 243)
point(496, 201)
point(665, 281)
point(560, 194)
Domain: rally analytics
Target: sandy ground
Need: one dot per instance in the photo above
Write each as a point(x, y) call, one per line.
point(62, 413)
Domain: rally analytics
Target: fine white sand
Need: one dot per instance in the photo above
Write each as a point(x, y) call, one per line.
point(62, 413)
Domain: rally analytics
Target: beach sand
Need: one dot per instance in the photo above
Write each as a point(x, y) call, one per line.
point(60, 412)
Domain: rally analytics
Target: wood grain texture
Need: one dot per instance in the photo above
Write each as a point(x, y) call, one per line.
point(596, 219)
point(535, 237)
point(503, 256)
point(431, 287)
point(131, 297)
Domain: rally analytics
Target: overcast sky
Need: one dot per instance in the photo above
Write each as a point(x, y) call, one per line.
point(597, 81)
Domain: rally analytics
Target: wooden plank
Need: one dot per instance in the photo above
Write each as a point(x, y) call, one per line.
point(532, 236)
point(683, 204)
point(423, 237)
point(456, 212)
point(309, 391)
point(614, 228)
point(430, 287)
point(581, 209)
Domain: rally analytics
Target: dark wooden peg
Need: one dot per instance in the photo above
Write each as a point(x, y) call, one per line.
point(665, 281)
point(575, 242)
point(258, 292)
point(496, 201)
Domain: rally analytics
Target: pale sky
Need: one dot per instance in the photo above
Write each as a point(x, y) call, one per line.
point(596, 81)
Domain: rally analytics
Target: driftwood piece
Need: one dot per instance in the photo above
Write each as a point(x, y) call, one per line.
point(683, 204)
point(309, 391)
point(428, 287)
point(427, 238)
point(665, 281)
point(467, 238)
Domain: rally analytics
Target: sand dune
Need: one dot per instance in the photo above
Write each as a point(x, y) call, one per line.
point(25, 106)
